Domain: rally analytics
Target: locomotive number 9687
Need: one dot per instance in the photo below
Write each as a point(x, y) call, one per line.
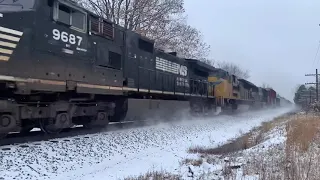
point(66, 37)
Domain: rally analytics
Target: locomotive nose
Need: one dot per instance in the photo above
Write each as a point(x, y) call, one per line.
point(12, 32)
point(9, 39)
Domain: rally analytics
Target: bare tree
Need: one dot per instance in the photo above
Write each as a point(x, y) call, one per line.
point(179, 37)
point(234, 69)
point(210, 62)
point(160, 20)
point(136, 14)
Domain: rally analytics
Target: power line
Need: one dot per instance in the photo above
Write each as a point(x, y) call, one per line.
point(315, 57)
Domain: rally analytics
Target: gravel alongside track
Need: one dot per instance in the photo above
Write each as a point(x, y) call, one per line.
point(38, 135)
point(118, 154)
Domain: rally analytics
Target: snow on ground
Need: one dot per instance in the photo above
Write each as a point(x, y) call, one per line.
point(124, 153)
point(262, 161)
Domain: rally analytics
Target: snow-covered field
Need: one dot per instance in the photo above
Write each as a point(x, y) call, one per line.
point(125, 153)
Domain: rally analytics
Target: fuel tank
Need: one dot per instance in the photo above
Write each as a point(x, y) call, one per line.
point(156, 110)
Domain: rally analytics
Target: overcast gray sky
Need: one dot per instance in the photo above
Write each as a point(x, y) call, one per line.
point(275, 39)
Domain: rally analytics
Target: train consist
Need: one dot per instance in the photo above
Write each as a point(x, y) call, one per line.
point(61, 65)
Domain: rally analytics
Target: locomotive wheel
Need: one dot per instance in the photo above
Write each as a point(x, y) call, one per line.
point(99, 121)
point(47, 126)
point(6, 121)
point(54, 126)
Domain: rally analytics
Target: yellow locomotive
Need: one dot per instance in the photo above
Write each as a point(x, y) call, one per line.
point(229, 90)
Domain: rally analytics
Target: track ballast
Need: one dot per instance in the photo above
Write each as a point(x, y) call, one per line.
point(65, 135)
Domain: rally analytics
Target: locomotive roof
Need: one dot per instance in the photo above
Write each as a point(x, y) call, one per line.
point(75, 3)
point(220, 70)
point(168, 56)
point(263, 89)
point(249, 84)
point(201, 65)
point(270, 89)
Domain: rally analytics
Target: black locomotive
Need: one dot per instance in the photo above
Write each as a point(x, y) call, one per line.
point(61, 65)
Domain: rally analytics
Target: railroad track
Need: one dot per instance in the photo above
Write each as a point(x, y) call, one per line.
point(38, 137)
point(71, 133)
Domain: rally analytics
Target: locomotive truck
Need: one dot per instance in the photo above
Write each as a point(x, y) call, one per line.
point(62, 65)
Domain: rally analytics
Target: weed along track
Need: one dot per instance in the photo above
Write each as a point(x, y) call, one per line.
point(247, 140)
point(234, 146)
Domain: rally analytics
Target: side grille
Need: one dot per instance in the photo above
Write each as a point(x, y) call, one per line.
point(102, 27)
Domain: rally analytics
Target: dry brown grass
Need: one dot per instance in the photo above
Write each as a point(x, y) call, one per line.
point(156, 176)
point(302, 131)
point(267, 126)
point(299, 159)
point(302, 151)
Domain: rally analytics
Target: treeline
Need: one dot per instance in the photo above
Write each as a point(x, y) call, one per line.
point(305, 95)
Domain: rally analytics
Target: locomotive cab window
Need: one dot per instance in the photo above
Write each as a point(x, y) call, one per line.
point(71, 16)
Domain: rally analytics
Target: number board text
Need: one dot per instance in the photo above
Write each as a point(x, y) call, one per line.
point(172, 67)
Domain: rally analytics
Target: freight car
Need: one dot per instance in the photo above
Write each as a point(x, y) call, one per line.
point(271, 98)
point(62, 65)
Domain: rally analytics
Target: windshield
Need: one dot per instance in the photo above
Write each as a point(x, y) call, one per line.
point(16, 5)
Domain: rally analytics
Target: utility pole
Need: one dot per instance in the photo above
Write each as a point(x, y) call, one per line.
point(310, 96)
point(316, 83)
